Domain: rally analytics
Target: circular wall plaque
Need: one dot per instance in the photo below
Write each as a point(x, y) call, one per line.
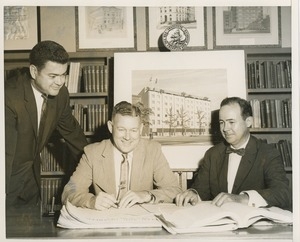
point(175, 37)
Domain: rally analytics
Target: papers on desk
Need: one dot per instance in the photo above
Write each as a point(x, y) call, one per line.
point(134, 217)
point(205, 217)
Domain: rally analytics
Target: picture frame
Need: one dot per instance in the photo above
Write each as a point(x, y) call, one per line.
point(106, 28)
point(260, 29)
point(195, 24)
point(204, 78)
point(20, 27)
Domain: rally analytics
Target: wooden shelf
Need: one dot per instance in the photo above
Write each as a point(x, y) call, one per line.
point(88, 94)
point(270, 130)
point(269, 90)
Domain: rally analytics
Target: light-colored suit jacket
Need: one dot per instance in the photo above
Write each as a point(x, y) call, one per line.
point(150, 171)
point(261, 169)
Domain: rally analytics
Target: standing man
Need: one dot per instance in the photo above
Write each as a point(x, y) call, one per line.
point(243, 169)
point(123, 170)
point(36, 103)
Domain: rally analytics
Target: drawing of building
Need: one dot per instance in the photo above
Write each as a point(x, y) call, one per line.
point(106, 19)
point(176, 113)
point(245, 18)
point(179, 15)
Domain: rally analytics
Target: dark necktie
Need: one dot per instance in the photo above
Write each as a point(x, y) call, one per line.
point(240, 152)
point(43, 114)
point(123, 187)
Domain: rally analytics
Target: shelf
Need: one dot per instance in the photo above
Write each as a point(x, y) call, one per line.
point(88, 94)
point(269, 90)
point(52, 173)
point(270, 130)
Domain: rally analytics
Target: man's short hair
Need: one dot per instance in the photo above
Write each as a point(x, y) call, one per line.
point(126, 109)
point(246, 109)
point(45, 51)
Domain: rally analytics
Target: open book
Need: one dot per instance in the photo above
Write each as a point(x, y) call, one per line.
point(205, 217)
point(134, 217)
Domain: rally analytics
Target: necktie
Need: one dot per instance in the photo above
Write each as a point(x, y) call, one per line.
point(240, 152)
point(123, 187)
point(43, 114)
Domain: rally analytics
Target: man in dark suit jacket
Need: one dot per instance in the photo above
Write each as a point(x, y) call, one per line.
point(24, 138)
point(149, 177)
point(256, 176)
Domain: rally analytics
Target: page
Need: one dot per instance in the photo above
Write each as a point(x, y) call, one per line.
point(136, 216)
point(246, 215)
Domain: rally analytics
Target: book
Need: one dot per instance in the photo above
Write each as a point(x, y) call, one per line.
point(133, 217)
point(206, 217)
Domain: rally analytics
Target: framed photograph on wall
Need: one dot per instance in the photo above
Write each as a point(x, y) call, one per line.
point(193, 19)
point(20, 27)
point(105, 28)
point(255, 26)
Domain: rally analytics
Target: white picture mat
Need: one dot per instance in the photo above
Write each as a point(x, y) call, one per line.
point(271, 38)
point(107, 42)
point(197, 35)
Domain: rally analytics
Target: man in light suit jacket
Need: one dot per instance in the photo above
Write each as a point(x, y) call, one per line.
point(243, 169)
point(150, 178)
point(24, 138)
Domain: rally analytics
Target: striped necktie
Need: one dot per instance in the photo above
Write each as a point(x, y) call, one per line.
point(123, 187)
point(43, 114)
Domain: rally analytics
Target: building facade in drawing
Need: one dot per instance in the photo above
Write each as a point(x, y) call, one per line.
point(175, 114)
point(177, 15)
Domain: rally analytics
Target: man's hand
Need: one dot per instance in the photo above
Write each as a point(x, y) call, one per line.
point(188, 196)
point(130, 198)
point(227, 197)
point(105, 201)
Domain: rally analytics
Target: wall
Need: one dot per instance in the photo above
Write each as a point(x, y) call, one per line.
point(58, 24)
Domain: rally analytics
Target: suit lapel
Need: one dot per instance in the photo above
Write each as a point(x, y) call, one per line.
point(137, 165)
point(29, 104)
point(223, 170)
point(246, 164)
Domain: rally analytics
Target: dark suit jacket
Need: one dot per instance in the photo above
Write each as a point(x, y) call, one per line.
point(150, 172)
point(261, 169)
point(22, 145)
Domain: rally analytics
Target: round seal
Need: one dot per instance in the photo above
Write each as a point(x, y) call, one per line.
point(176, 37)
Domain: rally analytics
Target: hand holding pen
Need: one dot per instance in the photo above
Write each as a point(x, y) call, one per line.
point(105, 201)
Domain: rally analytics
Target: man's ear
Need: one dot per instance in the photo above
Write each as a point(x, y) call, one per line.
point(109, 126)
point(33, 71)
point(249, 121)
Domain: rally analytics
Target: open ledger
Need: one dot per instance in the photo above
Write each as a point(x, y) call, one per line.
point(203, 217)
point(134, 217)
point(206, 217)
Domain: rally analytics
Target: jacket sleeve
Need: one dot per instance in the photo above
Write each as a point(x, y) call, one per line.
point(69, 127)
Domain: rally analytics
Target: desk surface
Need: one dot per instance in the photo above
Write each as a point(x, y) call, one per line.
point(27, 223)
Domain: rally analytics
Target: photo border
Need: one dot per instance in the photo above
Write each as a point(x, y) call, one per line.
point(85, 44)
point(221, 40)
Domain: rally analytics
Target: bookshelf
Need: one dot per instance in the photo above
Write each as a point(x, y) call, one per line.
point(91, 102)
point(269, 90)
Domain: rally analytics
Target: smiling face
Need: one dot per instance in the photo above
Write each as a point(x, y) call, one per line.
point(126, 131)
point(50, 79)
point(233, 127)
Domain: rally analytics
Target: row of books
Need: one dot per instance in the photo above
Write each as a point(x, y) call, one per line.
point(49, 160)
point(87, 78)
point(285, 149)
point(90, 116)
point(272, 113)
point(269, 74)
point(51, 189)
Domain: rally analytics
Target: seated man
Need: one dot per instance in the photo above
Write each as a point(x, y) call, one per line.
point(255, 177)
point(145, 177)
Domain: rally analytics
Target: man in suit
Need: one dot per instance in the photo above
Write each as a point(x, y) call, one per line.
point(254, 175)
point(149, 177)
point(25, 132)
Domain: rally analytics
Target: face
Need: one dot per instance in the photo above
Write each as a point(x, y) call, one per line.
point(126, 132)
point(50, 79)
point(232, 125)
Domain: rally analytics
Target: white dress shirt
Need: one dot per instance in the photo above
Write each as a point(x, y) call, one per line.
point(39, 103)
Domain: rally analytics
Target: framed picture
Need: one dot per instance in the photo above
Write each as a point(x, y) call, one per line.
point(105, 28)
point(20, 27)
point(246, 26)
point(193, 19)
point(180, 91)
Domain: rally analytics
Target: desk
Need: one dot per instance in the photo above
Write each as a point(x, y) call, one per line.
point(27, 223)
